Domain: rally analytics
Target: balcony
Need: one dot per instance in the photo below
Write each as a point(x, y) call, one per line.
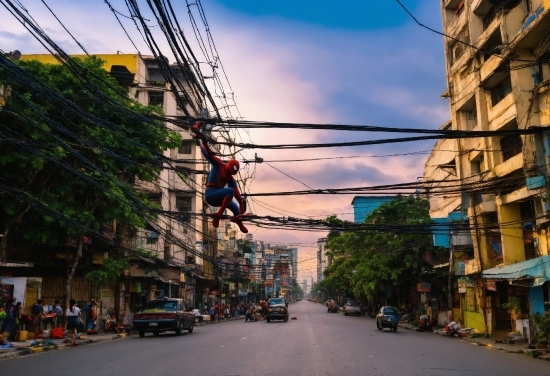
point(484, 207)
point(487, 73)
point(502, 113)
point(509, 166)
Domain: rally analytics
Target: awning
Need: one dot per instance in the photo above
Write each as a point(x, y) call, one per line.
point(538, 268)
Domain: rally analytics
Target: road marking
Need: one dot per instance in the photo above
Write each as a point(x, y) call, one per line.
point(243, 338)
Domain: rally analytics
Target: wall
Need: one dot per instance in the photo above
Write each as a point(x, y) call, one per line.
point(536, 300)
point(474, 320)
point(512, 235)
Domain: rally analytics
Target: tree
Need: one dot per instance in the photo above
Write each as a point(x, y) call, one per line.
point(368, 261)
point(69, 158)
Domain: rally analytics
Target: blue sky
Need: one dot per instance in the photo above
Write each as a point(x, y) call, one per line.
point(349, 15)
point(318, 61)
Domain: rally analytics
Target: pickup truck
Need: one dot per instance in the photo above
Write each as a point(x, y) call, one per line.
point(163, 315)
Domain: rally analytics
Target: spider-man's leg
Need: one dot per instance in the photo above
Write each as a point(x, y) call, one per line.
point(222, 197)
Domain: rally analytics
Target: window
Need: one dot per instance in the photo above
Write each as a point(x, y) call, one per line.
point(186, 147)
point(458, 47)
point(156, 98)
point(510, 146)
point(152, 237)
point(183, 204)
point(501, 90)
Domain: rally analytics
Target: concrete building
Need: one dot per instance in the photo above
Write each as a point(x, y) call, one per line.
point(179, 240)
point(323, 261)
point(364, 205)
point(497, 56)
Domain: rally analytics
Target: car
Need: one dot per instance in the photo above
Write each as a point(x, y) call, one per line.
point(276, 310)
point(163, 315)
point(387, 317)
point(352, 307)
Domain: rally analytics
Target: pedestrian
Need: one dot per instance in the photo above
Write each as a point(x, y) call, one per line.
point(73, 320)
point(216, 310)
point(38, 316)
point(8, 325)
point(91, 314)
point(58, 319)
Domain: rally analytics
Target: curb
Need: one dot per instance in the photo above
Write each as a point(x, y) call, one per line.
point(33, 350)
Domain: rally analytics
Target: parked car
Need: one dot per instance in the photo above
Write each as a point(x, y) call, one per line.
point(387, 317)
point(163, 315)
point(276, 310)
point(352, 307)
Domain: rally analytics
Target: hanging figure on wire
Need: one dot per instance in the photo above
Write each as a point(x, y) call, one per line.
point(221, 187)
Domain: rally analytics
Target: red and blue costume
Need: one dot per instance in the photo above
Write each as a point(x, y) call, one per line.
point(221, 187)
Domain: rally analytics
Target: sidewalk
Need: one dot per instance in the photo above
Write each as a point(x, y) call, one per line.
point(518, 348)
point(31, 346)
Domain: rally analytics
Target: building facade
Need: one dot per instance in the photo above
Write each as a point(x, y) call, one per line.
point(497, 70)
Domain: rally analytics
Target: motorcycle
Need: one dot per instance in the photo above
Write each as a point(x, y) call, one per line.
point(333, 308)
point(425, 324)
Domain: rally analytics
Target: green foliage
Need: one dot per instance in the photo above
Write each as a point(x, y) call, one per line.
point(82, 162)
point(513, 306)
point(368, 261)
point(147, 253)
point(543, 325)
point(109, 273)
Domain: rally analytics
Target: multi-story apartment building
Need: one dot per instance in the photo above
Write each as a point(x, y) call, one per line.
point(175, 241)
point(498, 77)
point(323, 260)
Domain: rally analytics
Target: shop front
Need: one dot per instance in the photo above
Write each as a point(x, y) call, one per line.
point(517, 294)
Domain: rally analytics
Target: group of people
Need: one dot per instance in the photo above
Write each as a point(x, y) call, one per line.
point(252, 311)
point(217, 310)
point(43, 314)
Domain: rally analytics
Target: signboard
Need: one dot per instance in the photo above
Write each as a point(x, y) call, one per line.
point(460, 268)
point(462, 285)
point(491, 285)
point(424, 287)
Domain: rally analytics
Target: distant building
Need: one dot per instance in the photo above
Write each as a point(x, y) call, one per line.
point(364, 205)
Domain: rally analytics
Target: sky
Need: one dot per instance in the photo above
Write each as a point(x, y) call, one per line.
point(361, 62)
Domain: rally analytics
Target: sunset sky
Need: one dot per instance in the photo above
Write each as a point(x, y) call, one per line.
point(312, 61)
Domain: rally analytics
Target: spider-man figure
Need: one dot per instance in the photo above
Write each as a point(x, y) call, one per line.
point(221, 187)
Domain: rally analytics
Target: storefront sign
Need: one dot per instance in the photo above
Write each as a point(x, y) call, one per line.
point(491, 285)
point(464, 282)
point(424, 287)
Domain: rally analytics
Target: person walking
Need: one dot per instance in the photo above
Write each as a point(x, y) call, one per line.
point(73, 320)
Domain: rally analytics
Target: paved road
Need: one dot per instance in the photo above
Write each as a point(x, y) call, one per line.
point(317, 343)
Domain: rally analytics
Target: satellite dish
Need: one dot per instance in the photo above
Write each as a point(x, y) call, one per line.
point(15, 55)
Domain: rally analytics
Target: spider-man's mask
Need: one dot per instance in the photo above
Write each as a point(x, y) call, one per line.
point(233, 166)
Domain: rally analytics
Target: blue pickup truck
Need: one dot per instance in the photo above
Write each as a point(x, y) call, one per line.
point(164, 315)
